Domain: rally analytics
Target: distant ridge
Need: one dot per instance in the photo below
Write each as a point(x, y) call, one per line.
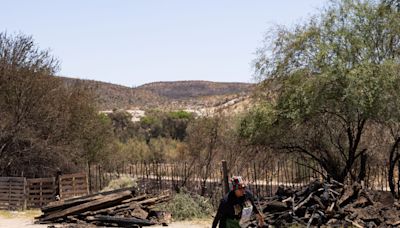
point(181, 90)
point(165, 95)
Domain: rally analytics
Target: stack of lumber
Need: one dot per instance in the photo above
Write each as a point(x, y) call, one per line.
point(121, 208)
point(330, 204)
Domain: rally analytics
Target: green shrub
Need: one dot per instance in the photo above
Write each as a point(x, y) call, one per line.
point(122, 182)
point(186, 206)
point(180, 115)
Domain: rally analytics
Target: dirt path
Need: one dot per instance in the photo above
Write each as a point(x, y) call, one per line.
point(18, 222)
point(28, 223)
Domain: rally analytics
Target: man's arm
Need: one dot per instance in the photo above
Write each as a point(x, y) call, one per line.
point(258, 214)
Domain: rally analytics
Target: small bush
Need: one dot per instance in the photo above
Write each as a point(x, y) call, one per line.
point(186, 206)
point(122, 182)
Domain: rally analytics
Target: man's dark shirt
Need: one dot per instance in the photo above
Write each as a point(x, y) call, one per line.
point(228, 205)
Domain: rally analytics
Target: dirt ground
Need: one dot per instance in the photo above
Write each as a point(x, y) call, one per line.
point(28, 223)
point(19, 222)
point(26, 220)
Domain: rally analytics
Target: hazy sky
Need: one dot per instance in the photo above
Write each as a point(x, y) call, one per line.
point(136, 42)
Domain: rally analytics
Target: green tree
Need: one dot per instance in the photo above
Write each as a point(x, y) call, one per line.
point(45, 124)
point(333, 76)
point(202, 141)
point(175, 124)
point(122, 124)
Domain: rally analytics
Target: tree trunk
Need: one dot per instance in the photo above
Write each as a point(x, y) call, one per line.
point(363, 166)
point(89, 178)
point(394, 156)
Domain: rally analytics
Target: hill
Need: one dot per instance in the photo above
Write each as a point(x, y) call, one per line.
point(181, 90)
point(166, 95)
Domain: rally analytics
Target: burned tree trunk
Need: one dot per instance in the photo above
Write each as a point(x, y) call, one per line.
point(394, 156)
point(363, 166)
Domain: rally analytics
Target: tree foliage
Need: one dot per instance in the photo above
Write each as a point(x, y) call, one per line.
point(45, 125)
point(338, 75)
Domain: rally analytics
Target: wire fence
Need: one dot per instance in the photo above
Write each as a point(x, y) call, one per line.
point(264, 177)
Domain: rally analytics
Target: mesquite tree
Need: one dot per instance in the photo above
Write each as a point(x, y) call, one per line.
point(332, 78)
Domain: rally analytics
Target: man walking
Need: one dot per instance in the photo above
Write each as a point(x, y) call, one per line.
point(236, 207)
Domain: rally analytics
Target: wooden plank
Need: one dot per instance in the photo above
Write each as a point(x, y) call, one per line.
point(11, 200)
point(40, 196)
point(70, 196)
point(7, 183)
point(17, 194)
point(75, 194)
point(65, 176)
point(124, 204)
point(41, 187)
point(70, 180)
point(36, 180)
point(124, 222)
point(41, 191)
point(79, 200)
point(12, 196)
point(12, 192)
point(12, 189)
point(72, 184)
point(30, 198)
point(74, 179)
point(39, 200)
point(75, 191)
point(73, 187)
point(106, 201)
point(5, 198)
point(72, 191)
point(58, 205)
point(12, 185)
point(13, 179)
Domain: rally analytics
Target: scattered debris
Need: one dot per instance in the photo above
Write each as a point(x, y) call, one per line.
point(330, 204)
point(120, 208)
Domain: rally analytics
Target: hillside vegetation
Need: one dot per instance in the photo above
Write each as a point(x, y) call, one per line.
point(164, 95)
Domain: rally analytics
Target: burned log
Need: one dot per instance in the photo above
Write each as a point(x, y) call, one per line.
point(118, 208)
point(106, 201)
point(123, 222)
point(331, 204)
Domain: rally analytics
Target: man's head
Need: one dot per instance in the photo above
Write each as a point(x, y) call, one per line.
point(238, 186)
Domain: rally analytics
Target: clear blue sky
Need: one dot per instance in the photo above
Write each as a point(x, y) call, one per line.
point(136, 42)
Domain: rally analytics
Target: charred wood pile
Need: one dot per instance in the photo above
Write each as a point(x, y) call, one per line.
point(119, 208)
point(330, 204)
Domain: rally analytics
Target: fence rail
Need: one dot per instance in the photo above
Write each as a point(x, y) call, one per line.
point(40, 191)
point(19, 193)
point(72, 185)
point(12, 193)
point(264, 177)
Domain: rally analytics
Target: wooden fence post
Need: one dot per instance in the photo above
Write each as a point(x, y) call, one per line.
point(25, 195)
point(225, 175)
